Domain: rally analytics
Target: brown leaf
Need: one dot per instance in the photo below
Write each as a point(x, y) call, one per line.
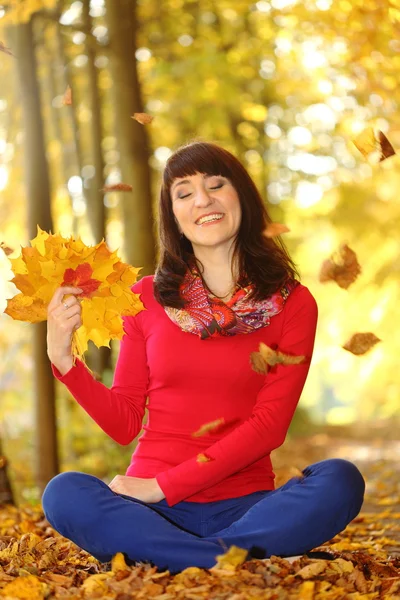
point(345, 273)
point(208, 427)
point(6, 50)
point(360, 343)
point(143, 118)
point(374, 145)
point(67, 98)
point(266, 357)
point(313, 569)
point(7, 251)
point(274, 229)
point(117, 187)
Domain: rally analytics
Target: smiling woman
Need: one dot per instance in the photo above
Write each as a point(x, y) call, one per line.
point(188, 353)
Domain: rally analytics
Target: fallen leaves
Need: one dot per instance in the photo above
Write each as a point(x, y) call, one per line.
point(344, 272)
point(143, 118)
point(360, 343)
point(52, 261)
point(266, 357)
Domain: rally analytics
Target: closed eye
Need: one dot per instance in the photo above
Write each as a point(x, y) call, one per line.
point(216, 187)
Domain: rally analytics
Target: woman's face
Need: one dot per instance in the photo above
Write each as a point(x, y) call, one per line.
point(206, 208)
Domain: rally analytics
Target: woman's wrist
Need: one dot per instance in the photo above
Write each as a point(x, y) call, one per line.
point(63, 366)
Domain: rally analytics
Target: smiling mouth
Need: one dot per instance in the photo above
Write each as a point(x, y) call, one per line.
point(210, 219)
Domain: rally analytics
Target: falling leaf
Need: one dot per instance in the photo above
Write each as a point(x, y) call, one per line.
point(143, 118)
point(274, 229)
point(203, 458)
point(374, 145)
point(53, 261)
point(117, 187)
point(345, 273)
point(360, 343)
point(267, 357)
point(6, 50)
point(232, 559)
point(207, 427)
point(7, 251)
point(67, 98)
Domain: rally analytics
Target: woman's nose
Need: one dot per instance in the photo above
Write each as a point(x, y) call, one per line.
point(201, 197)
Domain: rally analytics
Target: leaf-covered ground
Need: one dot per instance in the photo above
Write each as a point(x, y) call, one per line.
point(37, 563)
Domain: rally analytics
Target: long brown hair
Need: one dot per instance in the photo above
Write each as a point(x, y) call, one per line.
point(265, 261)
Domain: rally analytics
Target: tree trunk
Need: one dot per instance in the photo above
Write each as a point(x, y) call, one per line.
point(38, 196)
point(99, 358)
point(6, 495)
point(139, 244)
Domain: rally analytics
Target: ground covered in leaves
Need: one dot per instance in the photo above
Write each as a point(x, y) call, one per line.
point(37, 563)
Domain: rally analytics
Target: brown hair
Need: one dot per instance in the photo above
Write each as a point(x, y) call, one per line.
point(265, 261)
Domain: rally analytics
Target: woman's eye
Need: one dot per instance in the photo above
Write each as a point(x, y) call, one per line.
point(216, 187)
point(185, 196)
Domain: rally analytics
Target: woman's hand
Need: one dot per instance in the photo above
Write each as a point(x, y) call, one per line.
point(146, 490)
point(63, 318)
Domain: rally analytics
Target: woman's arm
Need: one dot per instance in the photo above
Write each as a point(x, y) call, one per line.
point(266, 428)
point(118, 411)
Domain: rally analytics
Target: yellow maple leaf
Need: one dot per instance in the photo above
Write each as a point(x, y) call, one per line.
point(232, 559)
point(53, 261)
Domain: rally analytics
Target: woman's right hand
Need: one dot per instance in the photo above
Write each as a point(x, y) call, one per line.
point(63, 318)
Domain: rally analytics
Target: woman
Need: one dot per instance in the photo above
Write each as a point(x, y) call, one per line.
point(220, 289)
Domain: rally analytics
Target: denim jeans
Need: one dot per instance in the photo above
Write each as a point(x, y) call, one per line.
point(293, 519)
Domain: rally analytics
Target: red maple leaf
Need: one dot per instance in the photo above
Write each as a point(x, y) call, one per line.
point(80, 277)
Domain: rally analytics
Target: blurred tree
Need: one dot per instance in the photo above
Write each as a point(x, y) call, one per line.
point(132, 138)
point(39, 213)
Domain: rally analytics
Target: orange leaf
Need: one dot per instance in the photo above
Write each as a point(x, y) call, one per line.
point(209, 427)
point(274, 229)
point(345, 273)
point(143, 118)
point(67, 98)
point(360, 343)
point(117, 187)
point(203, 458)
point(266, 357)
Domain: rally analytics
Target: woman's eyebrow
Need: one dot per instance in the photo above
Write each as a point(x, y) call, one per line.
point(205, 176)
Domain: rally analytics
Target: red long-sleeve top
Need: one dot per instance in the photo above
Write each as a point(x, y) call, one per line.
point(189, 382)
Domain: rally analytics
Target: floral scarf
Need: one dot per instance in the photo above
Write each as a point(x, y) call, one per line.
point(208, 317)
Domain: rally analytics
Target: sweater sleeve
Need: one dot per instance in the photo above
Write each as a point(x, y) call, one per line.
point(118, 410)
point(267, 426)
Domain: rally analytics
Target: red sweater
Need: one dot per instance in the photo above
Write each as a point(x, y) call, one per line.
point(190, 382)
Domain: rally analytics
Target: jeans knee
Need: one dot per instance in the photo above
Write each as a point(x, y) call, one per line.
point(349, 480)
point(63, 495)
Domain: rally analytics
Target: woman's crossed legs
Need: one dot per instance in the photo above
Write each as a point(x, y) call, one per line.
point(293, 519)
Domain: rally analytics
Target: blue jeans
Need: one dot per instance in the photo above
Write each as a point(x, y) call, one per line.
point(293, 519)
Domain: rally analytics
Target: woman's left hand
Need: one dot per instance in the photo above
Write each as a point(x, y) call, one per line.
point(146, 490)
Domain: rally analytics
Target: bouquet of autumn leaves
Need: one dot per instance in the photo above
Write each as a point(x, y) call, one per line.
point(53, 261)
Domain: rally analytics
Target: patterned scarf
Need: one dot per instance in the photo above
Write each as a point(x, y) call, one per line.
point(208, 317)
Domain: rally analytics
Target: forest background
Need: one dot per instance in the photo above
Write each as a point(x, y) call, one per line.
point(285, 85)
